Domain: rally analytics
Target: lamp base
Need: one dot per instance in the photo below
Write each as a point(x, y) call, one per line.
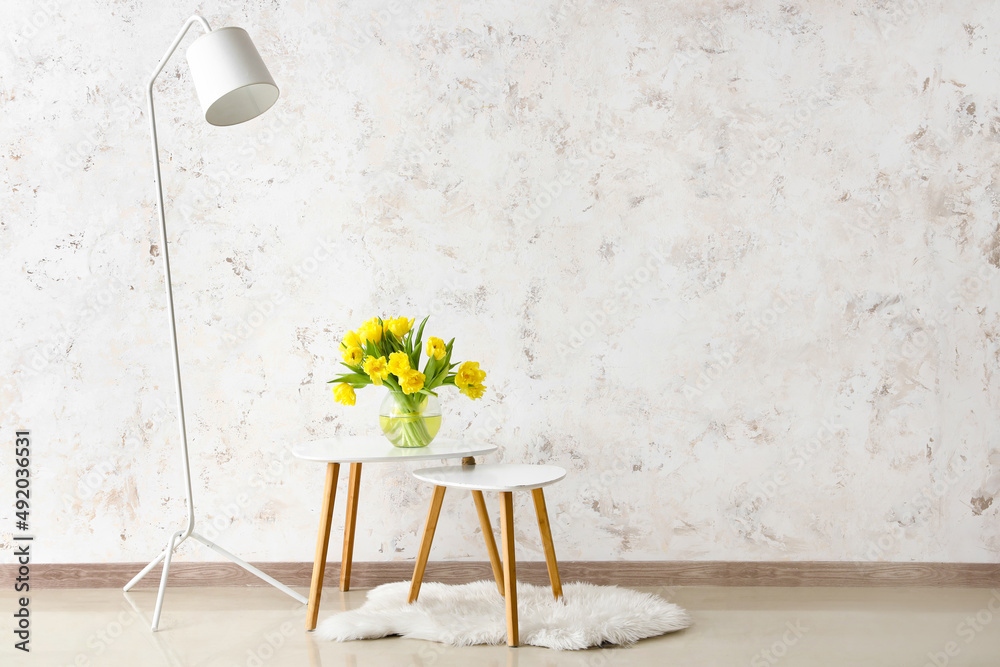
point(175, 541)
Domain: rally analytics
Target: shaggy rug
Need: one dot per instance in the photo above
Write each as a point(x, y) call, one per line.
point(587, 615)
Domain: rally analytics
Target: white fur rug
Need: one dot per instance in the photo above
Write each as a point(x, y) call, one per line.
point(587, 615)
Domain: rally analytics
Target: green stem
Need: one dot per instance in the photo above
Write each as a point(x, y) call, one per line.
point(409, 421)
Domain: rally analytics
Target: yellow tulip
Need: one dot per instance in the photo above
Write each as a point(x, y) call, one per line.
point(469, 374)
point(473, 391)
point(411, 381)
point(343, 393)
point(350, 340)
point(399, 363)
point(376, 369)
point(399, 326)
point(436, 348)
point(370, 331)
point(353, 356)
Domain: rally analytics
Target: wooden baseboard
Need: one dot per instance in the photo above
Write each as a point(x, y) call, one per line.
point(624, 573)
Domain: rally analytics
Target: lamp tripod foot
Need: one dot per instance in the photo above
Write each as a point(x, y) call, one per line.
point(171, 545)
point(165, 557)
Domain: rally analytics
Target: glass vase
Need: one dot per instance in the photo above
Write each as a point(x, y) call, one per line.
point(409, 420)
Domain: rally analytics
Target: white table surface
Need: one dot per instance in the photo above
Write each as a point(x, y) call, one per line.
point(492, 476)
point(376, 449)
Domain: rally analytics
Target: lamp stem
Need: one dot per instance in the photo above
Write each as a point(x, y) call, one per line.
point(166, 274)
point(173, 47)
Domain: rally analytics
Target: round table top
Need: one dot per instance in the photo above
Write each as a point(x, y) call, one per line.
point(492, 476)
point(376, 449)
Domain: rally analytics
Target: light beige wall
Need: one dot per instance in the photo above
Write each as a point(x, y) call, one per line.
point(734, 266)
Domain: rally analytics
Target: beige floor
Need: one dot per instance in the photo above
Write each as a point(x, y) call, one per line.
point(253, 627)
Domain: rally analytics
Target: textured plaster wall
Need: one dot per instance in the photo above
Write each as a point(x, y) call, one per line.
point(734, 266)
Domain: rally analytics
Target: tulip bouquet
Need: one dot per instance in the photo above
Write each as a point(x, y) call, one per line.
point(387, 352)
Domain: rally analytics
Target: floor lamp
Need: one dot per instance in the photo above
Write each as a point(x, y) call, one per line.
point(233, 86)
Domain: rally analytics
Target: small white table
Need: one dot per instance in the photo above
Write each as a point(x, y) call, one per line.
point(357, 450)
point(504, 478)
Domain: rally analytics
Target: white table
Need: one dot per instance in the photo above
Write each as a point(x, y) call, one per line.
point(357, 450)
point(504, 478)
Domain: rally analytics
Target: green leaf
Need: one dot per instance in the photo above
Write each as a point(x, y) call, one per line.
point(394, 344)
point(415, 357)
point(417, 345)
point(420, 331)
point(430, 370)
point(446, 362)
point(353, 378)
point(439, 378)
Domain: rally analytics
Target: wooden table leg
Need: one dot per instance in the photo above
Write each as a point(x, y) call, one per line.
point(491, 545)
point(425, 542)
point(322, 542)
point(352, 516)
point(550, 549)
point(509, 569)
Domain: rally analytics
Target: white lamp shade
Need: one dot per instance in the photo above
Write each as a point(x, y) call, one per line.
point(232, 81)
